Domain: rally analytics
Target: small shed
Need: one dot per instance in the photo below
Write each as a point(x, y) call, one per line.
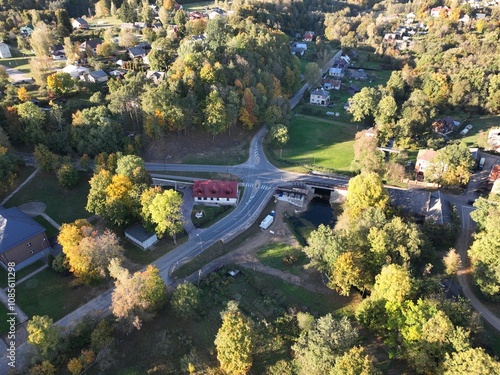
point(138, 235)
point(4, 51)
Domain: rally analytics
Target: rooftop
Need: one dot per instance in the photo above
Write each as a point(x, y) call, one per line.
point(215, 189)
point(16, 227)
point(138, 232)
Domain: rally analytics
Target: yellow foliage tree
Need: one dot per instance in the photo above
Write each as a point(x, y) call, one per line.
point(23, 94)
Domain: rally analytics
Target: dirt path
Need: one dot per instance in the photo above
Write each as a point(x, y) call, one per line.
point(462, 246)
point(246, 255)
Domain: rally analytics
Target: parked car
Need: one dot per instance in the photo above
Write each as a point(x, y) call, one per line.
point(466, 130)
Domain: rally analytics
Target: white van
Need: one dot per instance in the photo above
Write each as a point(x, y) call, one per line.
point(481, 164)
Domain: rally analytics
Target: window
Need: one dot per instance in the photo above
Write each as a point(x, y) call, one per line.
point(28, 244)
point(227, 199)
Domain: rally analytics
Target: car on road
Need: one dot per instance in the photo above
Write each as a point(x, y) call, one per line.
point(466, 129)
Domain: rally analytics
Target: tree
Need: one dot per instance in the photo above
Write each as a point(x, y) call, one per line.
point(317, 348)
point(247, 110)
point(186, 300)
point(96, 200)
point(354, 362)
point(127, 38)
point(44, 335)
point(364, 191)
point(367, 158)
point(40, 68)
point(162, 209)
point(163, 52)
point(42, 39)
point(71, 50)
point(75, 366)
point(364, 104)
point(33, 118)
point(8, 167)
point(472, 361)
point(136, 297)
point(452, 262)
point(312, 74)
point(132, 166)
point(279, 135)
point(392, 284)
point(102, 336)
point(44, 368)
point(386, 110)
point(451, 165)
point(64, 27)
point(235, 341)
point(60, 83)
point(67, 175)
point(23, 94)
point(45, 159)
point(215, 114)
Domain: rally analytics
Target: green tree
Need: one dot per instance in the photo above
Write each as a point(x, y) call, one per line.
point(132, 166)
point(386, 110)
point(44, 368)
point(33, 118)
point(364, 191)
point(393, 284)
point(317, 348)
point(364, 104)
point(354, 362)
point(163, 53)
point(67, 175)
point(367, 158)
point(44, 335)
point(472, 361)
point(8, 168)
point(64, 27)
point(312, 74)
point(45, 159)
point(235, 341)
point(215, 114)
point(186, 300)
point(60, 83)
point(42, 39)
point(96, 200)
point(279, 135)
point(451, 165)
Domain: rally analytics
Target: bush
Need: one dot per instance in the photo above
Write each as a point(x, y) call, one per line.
point(60, 264)
point(68, 176)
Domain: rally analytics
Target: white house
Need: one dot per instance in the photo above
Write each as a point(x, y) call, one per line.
point(336, 72)
point(424, 159)
point(75, 71)
point(80, 23)
point(4, 51)
point(320, 97)
point(213, 192)
point(138, 235)
point(98, 76)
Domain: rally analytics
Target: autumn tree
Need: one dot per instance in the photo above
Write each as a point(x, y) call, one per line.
point(43, 368)
point(23, 94)
point(355, 361)
point(279, 135)
point(393, 284)
point(247, 111)
point(364, 191)
point(60, 83)
point(186, 300)
point(472, 361)
point(42, 39)
point(136, 297)
point(451, 166)
point(318, 347)
point(67, 175)
point(44, 335)
point(215, 114)
point(367, 158)
point(452, 262)
point(235, 341)
point(132, 166)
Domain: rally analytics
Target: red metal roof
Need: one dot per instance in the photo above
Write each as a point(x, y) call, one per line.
point(495, 173)
point(215, 189)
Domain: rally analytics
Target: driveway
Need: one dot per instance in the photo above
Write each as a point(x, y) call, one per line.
point(18, 77)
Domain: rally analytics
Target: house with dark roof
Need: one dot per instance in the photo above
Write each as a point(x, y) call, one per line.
point(214, 192)
point(137, 52)
point(330, 84)
point(97, 76)
point(421, 204)
point(138, 235)
point(358, 74)
point(80, 23)
point(22, 240)
point(91, 44)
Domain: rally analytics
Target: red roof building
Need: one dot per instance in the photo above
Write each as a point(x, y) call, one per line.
point(215, 192)
point(495, 173)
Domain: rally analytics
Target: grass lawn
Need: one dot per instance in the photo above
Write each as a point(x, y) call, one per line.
point(49, 293)
point(283, 257)
point(320, 142)
point(63, 205)
point(199, 6)
point(104, 22)
point(232, 156)
point(211, 214)
point(219, 249)
point(480, 124)
point(20, 274)
point(20, 63)
point(4, 325)
point(143, 257)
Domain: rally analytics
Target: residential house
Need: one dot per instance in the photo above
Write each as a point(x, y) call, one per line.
point(298, 48)
point(59, 55)
point(358, 74)
point(320, 97)
point(22, 240)
point(97, 76)
point(422, 205)
point(117, 73)
point(75, 71)
point(437, 11)
point(198, 38)
point(336, 72)
point(156, 77)
point(195, 16)
point(353, 89)
point(214, 192)
point(137, 52)
point(80, 23)
point(465, 19)
point(494, 139)
point(330, 84)
point(445, 125)
point(480, 16)
point(91, 45)
point(25, 31)
point(494, 173)
point(308, 36)
point(138, 235)
point(424, 160)
point(4, 51)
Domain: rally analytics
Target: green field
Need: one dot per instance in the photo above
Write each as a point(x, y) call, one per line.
point(49, 293)
point(20, 63)
point(199, 6)
point(283, 257)
point(63, 205)
point(320, 142)
point(480, 124)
